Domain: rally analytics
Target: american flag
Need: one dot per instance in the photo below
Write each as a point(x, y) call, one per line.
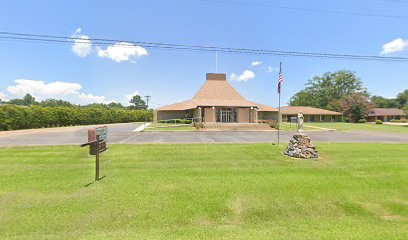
point(280, 80)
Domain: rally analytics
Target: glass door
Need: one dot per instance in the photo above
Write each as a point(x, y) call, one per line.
point(226, 115)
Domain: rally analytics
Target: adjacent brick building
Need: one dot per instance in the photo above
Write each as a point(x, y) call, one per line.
point(310, 114)
point(385, 114)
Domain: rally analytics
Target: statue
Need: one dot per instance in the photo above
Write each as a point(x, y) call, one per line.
point(300, 145)
point(300, 122)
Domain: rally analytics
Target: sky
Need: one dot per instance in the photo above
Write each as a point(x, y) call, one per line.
point(84, 72)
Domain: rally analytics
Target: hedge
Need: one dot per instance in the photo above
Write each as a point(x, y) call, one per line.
point(182, 121)
point(21, 117)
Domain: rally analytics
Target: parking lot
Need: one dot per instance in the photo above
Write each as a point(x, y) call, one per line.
point(123, 133)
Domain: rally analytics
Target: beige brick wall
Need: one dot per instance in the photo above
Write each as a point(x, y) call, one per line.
point(197, 115)
point(268, 116)
point(165, 115)
point(254, 116)
point(243, 115)
point(209, 115)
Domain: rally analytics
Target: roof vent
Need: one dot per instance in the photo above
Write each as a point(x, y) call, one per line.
point(216, 76)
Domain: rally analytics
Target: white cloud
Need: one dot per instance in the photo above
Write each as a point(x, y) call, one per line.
point(82, 46)
point(256, 63)
point(59, 90)
point(129, 96)
point(122, 51)
point(271, 69)
point(233, 77)
point(3, 97)
point(245, 76)
point(394, 46)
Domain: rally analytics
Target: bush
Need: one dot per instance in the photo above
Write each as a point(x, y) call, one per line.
point(361, 120)
point(198, 125)
point(187, 121)
point(378, 122)
point(399, 120)
point(21, 117)
point(273, 124)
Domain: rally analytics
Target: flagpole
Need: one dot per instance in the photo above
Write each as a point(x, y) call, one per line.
point(279, 116)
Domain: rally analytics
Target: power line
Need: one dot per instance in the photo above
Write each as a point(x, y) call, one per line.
point(309, 9)
point(129, 43)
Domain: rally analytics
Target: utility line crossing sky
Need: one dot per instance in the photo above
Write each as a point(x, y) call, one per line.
point(84, 69)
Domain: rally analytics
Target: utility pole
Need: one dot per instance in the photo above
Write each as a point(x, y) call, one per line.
point(147, 101)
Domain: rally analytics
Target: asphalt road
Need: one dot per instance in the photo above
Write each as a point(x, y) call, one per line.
point(66, 135)
point(123, 133)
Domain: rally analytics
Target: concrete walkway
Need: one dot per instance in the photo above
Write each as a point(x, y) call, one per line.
point(141, 127)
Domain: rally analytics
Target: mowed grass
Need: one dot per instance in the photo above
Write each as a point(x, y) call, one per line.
point(205, 191)
point(169, 127)
point(361, 126)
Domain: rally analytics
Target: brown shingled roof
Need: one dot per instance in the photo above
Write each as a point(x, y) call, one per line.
point(386, 112)
point(293, 110)
point(216, 91)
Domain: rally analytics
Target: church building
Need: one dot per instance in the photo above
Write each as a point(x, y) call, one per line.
point(217, 102)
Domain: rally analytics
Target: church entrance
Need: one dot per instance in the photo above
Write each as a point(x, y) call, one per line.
point(226, 115)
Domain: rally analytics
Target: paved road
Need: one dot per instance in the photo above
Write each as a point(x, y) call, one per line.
point(122, 133)
point(67, 135)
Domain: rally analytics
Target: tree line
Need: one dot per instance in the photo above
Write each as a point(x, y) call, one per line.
point(343, 91)
point(137, 103)
point(28, 113)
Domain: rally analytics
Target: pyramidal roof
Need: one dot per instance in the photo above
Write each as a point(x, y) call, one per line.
point(217, 92)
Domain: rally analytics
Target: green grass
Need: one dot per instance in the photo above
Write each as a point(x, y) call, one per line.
point(361, 126)
point(169, 127)
point(293, 127)
point(205, 191)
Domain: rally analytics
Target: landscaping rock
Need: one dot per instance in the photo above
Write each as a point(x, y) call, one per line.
point(301, 146)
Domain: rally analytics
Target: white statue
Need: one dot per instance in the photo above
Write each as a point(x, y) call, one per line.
point(300, 122)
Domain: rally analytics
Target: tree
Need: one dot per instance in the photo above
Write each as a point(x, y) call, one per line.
point(402, 98)
point(16, 101)
point(138, 102)
point(28, 100)
point(303, 98)
point(382, 102)
point(406, 110)
point(95, 105)
point(115, 105)
point(321, 91)
point(55, 103)
point(355, 106)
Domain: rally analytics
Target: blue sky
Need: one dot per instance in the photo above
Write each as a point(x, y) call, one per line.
point(97, 73)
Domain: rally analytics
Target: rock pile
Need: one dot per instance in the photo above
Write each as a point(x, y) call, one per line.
point(301, 146)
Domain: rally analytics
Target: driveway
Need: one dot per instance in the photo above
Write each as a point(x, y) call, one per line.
point(123, 133)
point(65, 135)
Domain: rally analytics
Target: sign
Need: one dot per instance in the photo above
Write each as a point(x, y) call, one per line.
point(292, 120)
point(102, 132)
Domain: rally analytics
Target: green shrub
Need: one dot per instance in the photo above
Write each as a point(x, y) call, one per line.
point(199, 125)
point(187, 121)
point(399, 120)
point(21, 117)
point(378, 122)
point(361, 120)
point(273, 124)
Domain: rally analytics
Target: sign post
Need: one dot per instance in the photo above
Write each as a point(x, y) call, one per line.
point(97, 138)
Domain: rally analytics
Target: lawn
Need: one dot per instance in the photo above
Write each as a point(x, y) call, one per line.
point(205, 191)
point(169, 127)
point(183, 127)
point(293, 127)
point(360, 126)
